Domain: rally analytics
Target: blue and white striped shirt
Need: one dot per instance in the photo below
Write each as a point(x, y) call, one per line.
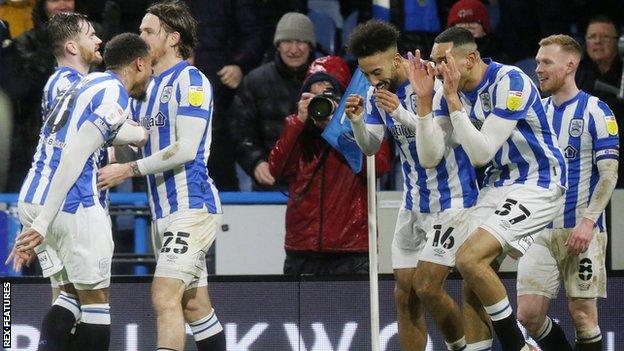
point(182, 90)
point(587, 132)
point(62, 78)
point(452, 184)
point(531, 154)
point(99, 98)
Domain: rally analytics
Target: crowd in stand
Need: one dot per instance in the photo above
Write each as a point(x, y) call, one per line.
point(257, 77)
point(257, 55)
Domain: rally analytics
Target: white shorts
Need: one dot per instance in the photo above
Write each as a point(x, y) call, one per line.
point(78, 247)
point(181, 241)
point(430, 237)
point(547, 263)
point(513, 214)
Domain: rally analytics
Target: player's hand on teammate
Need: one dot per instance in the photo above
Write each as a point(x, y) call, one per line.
point(113, 174)
point(145, 134)
point(20, 259)
point(354, 108)
point(231, 76)
point(450, 75)
point(303, 104)
point(23, 252)
point(386, 100)
point(263, 174)
point(581, 236)
point(421, 74)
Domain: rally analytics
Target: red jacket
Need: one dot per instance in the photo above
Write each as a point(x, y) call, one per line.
point(327, 205)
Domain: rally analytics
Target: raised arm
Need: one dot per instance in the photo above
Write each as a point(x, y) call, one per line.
point(513, 98)
point(367, 136)
point(193, 114)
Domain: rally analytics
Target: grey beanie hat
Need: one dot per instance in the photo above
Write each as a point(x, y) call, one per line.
point(294, 26)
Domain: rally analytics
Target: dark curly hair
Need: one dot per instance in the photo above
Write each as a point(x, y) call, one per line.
point(371, 37)
point(123, 49)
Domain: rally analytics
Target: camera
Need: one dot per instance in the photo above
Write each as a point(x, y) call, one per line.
point(323, 105)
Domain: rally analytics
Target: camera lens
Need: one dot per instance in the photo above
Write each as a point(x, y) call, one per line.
point(321, 107)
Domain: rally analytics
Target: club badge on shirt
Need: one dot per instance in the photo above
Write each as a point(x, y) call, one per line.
point(486, 102)
point(166, 94)
point(514, 100)
point(196, 96)
point(576, 127)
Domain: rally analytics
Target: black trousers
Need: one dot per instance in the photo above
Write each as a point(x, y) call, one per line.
point(325, 263)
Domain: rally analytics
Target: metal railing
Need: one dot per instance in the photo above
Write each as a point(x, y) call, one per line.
point(136, 204)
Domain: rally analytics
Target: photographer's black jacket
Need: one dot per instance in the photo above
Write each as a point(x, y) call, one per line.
point(266, 96)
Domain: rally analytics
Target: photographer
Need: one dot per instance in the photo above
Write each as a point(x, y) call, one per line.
point(326, 216)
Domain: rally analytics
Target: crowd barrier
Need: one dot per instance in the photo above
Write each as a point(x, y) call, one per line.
point(251, 237)
point(9, 223)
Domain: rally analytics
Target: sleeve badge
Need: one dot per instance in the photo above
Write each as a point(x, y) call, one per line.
point(514, 100)
point(196, 96)
point(612, 127)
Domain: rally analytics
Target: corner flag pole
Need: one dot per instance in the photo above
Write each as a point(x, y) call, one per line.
point(372, 252)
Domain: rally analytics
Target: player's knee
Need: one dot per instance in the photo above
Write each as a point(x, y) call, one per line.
point(163, 301)
point(582, 318)
point(530, 318)
point(428, 287)
point(466, 262)
point(401, 296)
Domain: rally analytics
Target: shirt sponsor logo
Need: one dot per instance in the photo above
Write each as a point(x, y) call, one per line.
point(148, 122)
point(570, 152)
point(399, 130)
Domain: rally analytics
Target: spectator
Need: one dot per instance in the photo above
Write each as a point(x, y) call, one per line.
point(326, 215)
point(231, 44)
point(602, 63)
point(18, 14)
point(473, 15)
point(267, 94)
point(524, 22)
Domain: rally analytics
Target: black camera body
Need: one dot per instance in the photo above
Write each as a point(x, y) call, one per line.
point(323, 105)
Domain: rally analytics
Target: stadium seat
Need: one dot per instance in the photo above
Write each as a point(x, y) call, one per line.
point(329, 7)
point(325, 31)
point(528, 66)
point(349, 25)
